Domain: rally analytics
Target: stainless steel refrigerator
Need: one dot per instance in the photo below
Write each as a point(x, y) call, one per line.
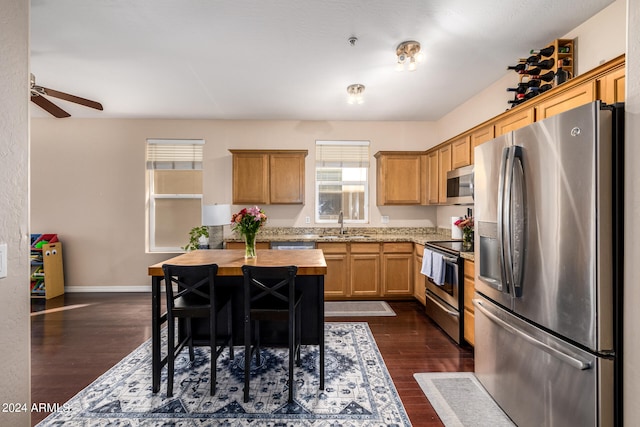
point(548, 256)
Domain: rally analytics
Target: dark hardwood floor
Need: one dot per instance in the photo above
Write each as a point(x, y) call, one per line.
point(72, 344)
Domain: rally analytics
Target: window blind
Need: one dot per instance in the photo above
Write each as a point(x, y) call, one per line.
point(174, 154)
point(352, 154)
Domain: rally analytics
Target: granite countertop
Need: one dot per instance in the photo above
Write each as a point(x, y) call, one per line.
point(373, 235)
point(364, 235)
point(467, 255)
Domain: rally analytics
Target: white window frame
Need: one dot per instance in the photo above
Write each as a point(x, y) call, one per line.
point(366, 164)
point(152, 197)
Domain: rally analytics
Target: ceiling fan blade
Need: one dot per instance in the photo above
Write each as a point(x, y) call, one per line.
point(72, 98)
point(49, 106)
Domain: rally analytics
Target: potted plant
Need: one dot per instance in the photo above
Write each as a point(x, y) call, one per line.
point(198, 238)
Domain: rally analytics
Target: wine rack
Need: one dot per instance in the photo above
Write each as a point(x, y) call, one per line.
point(560, 49)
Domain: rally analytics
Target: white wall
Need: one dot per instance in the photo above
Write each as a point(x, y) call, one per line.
point(14, 174)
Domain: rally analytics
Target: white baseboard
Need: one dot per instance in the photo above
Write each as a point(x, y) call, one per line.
point(73, 289)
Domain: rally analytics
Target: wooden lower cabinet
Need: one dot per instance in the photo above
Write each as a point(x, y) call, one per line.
point(368, 270)
point(397, 269)
point(418, 277)
point(469, 291)
point(364, 269)
point(336, 281)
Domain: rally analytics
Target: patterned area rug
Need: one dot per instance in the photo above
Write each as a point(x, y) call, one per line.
point(357, 308)
point(358, 389)
point(461, 401)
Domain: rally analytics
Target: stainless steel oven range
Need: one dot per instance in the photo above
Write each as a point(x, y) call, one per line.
point(444, 294)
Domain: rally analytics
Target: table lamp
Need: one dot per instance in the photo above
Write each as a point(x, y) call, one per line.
point(215, 217)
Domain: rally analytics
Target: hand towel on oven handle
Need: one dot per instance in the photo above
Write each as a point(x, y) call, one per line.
point(433, 266)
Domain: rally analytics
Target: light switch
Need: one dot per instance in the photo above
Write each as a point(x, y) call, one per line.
point(385, 219)
point(3, 260)
point(307, 220)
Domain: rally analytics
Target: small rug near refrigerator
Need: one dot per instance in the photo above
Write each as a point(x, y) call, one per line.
point(461, 401)
point(357, 308)
point(358, 390)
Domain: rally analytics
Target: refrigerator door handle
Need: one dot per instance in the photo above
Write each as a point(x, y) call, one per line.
point(567, 358)
point(501, 218)
point(517, 213)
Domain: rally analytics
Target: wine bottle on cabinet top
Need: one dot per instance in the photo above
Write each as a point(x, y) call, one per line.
point(519, 89)
point(547, 77)
point(547, 64)
point(530, 83)
point(543, 88)
point(519, 67)
point(531, 59)
point(531, 71)
point(561, 75)
point(547, 51)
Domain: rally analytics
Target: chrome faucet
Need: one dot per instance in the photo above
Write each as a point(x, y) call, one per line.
point(341, 222)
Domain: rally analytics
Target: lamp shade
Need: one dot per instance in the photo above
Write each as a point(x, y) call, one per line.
point(216, 214)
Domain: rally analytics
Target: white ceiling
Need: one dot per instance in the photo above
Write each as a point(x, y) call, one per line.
point(284, 59)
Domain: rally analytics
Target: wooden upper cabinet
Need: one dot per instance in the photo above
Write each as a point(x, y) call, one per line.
point(513, 121)
point(268, 176)
point(480, 136)
point(433, 181)
point(286, 178)
point(611, 86)
point(564, 101)
point(444, 166)
point(461, 152)
point(250, 177)
point(400, 178)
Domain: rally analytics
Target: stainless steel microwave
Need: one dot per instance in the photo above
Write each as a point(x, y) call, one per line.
point(460, 186)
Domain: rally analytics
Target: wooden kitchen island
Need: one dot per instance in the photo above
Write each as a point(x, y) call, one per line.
point(310, 280)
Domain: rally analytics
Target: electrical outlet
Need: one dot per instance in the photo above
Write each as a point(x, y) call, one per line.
point(384, 219)
point(307, 220)
point(3, 260)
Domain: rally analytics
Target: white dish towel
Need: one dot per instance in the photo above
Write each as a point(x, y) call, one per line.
point(437, 269)
point(426, 262)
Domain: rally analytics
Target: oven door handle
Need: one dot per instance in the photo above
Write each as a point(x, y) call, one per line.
point(442, 307)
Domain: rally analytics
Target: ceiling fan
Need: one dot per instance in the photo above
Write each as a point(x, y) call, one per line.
point(38, 93)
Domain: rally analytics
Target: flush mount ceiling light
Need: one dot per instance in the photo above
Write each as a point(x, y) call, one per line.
point(355, 94)
point(408, 53)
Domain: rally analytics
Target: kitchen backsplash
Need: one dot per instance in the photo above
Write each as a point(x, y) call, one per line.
point(279, 231)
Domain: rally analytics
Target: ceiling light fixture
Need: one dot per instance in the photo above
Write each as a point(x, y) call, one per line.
point(355, 94)
point(408, 52)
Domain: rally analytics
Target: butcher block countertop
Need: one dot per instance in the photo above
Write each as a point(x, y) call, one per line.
point(310, 262)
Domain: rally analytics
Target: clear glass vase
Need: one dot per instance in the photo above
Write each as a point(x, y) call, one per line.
point(249, 245)
point(467, 240)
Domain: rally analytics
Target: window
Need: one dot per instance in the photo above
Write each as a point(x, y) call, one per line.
point(175, 192)
point(342, 171)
